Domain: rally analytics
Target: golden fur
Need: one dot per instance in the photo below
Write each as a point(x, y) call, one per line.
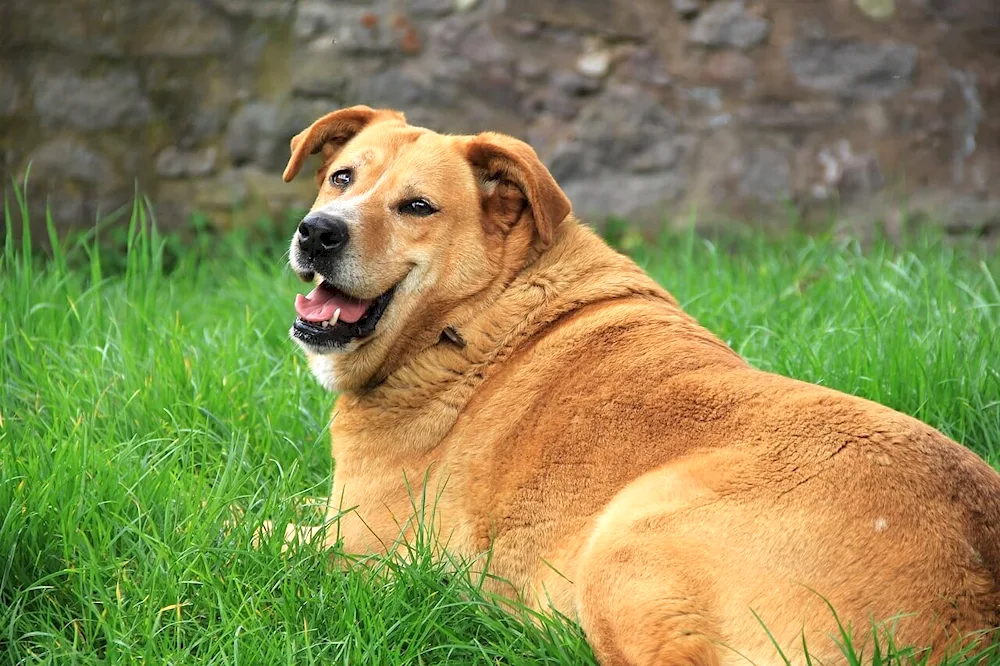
point(620, 461)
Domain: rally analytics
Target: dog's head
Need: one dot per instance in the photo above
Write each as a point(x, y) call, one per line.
point(410, 230)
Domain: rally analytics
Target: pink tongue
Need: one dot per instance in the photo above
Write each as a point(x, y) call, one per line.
point(320, 304)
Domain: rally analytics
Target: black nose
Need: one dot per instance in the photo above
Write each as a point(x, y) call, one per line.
point(319, 234)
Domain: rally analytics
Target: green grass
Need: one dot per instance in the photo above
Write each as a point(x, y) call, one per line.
point(142, 395)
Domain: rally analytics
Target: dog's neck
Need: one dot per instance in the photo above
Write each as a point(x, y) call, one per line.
point(435, 384)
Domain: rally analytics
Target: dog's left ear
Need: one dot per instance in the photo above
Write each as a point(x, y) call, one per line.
point(514, 181)
point(331, 132)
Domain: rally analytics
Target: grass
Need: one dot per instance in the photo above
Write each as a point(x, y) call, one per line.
point(143, 394)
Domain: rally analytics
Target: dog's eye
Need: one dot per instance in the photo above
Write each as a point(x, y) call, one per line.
point(341, 178)
point(417, 207)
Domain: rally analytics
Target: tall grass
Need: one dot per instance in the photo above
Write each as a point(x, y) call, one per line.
point(143, 395)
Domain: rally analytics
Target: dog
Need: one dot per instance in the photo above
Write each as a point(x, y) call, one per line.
point(620, 464)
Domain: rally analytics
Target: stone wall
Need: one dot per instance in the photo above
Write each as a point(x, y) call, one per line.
point(642, 108)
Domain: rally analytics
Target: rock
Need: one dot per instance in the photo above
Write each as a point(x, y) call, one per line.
point(362, 32)
point(445, 35)
point(611, 132)
point(644, 66)
point(960, 215)
point(966, 215)
point(763, 174)
point(566, 92)
point(729, 67)
point(66, 158)
point(625, 99)
point(729, 24)
point(70, 196)
point(525, 28)
point(349, 29)
point(114, 99)
point(481, 46)
point(614, 18)
point(686, 8)
point(183, 28)
point(876, 9)
point(278, 196)
point(573, 84)
point(965, 124)
point(981, 16)
point(400, 87)
point(190, 119)
point(560, 105)
point(430, 8)
point(563, 97)
point(244, 195)
point(313, 18)
point(876, 118)
point(594, 64)
point(88, 28)
point(795, 116)
point(64, 201)
point(851, 68)
point(746, 170)
point(495, 86)
point(10, 94)
point(605, 194)
point(664, 154)
point(408, 36)
point(176, 163)
point(250, 136)
point(846, 174)
point(260, 132)
point(317, 75)
point(702, 98)
point(227, 191)
point(175, 203)
point(532, 70)
point(256, 9)
point(199, 125)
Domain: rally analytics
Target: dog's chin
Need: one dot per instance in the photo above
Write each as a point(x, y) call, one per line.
point(322, 367)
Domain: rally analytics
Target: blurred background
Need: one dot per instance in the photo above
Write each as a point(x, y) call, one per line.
point(776, 112)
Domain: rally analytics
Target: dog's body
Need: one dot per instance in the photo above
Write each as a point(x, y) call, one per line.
point(547, 401)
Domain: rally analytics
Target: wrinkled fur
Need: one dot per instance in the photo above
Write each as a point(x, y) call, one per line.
point(622, 463)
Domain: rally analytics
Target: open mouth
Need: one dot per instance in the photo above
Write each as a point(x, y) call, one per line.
point(328, 318)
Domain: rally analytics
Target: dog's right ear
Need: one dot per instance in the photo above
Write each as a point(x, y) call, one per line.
point(514, 181)
point(331, 132)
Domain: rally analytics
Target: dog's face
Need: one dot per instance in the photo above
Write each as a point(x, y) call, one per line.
point(408, 230)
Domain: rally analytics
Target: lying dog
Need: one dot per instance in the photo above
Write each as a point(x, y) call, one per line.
point(624, 465)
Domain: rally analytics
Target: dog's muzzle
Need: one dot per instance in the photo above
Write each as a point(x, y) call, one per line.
point(328, 317)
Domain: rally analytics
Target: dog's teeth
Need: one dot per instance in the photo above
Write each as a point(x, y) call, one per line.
point(325, 324)
point(336, 317)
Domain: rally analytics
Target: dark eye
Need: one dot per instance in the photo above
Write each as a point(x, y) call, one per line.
point(341, 178)
point(417, 207)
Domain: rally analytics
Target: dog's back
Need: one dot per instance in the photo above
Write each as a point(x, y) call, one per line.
point(679, 489)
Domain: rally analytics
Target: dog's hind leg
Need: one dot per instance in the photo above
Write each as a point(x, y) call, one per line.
point(642, 596)
point(638, 611)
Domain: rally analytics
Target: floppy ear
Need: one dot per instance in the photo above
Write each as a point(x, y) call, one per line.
point(515, 181)
point(331, 132)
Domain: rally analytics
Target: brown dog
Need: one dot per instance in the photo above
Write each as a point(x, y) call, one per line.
point(623, 464)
